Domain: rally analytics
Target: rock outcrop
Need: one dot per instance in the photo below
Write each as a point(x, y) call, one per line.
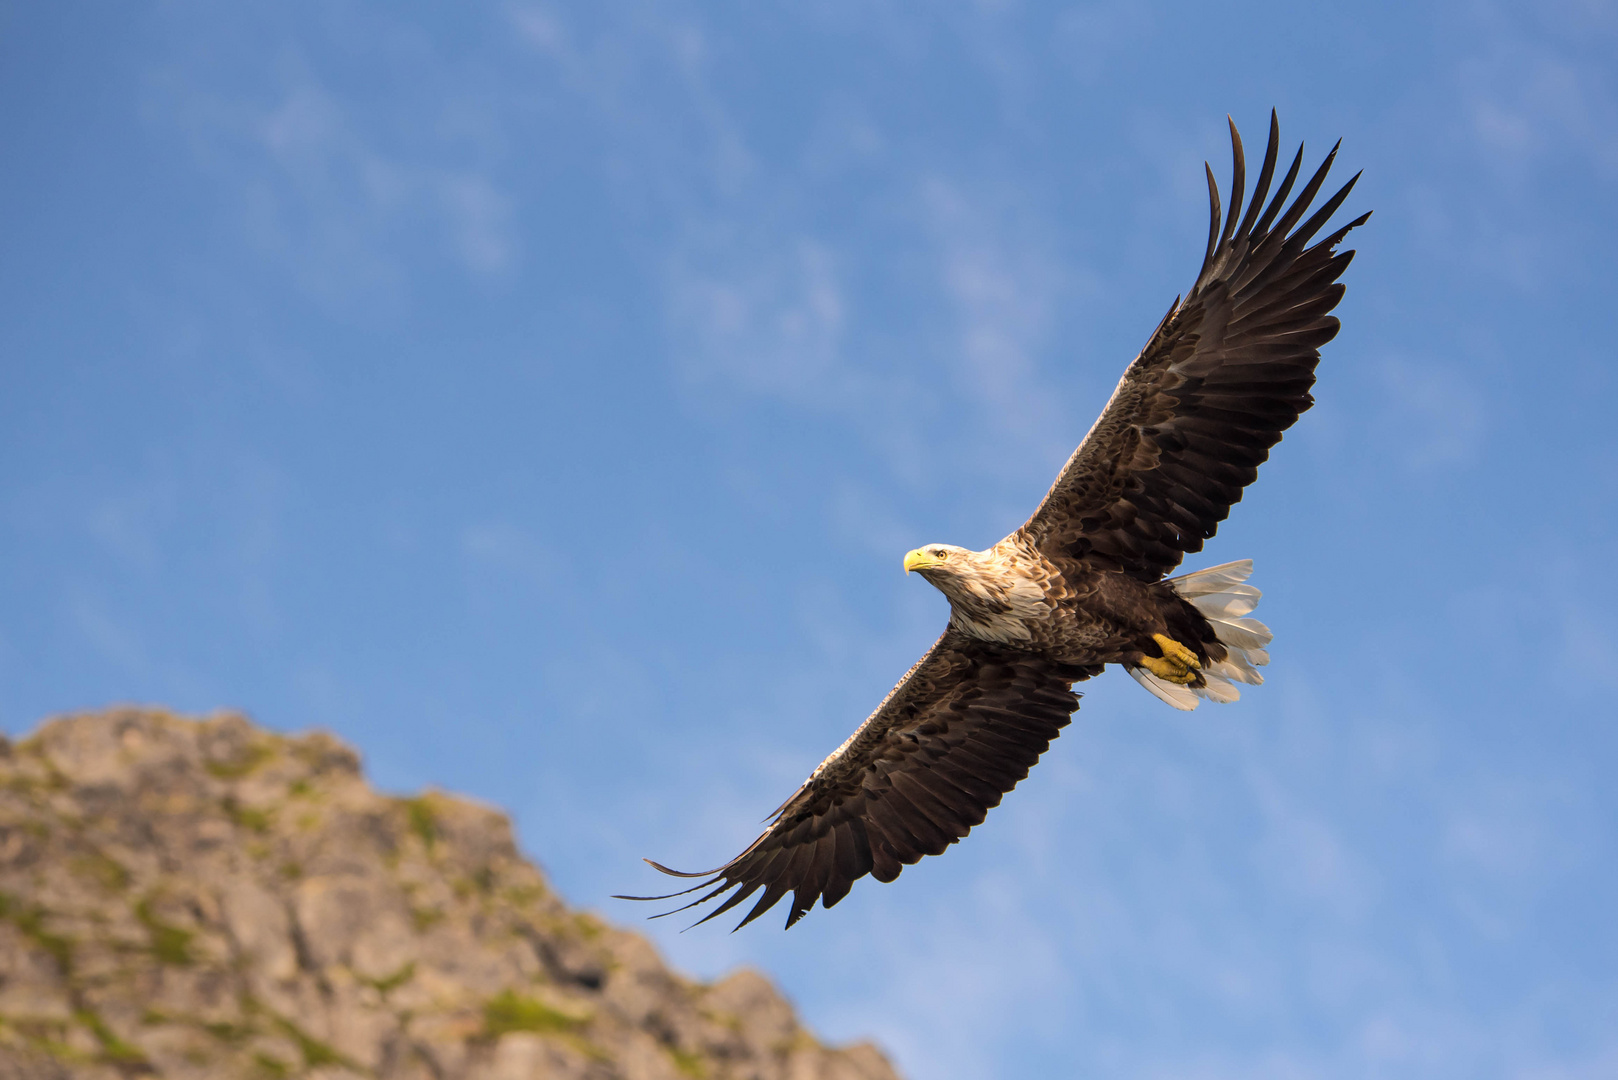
point(206, 899)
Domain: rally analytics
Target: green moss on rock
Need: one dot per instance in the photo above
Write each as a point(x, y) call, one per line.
point(510, 1011)
point(422, 820)
point(170, 944)
point(247, 761)
point(114, 1050)
point(29, 919)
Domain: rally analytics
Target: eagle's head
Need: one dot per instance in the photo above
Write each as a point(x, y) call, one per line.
point(942, 560)
point(953, 571)
point(990, 594)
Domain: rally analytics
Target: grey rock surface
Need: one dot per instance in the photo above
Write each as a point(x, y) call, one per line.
point(205, 899)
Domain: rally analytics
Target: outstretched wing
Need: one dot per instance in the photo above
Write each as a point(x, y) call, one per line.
point(1227, 371)
point(963, 726)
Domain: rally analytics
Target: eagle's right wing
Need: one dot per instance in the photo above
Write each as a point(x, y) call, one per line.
point(963, 726)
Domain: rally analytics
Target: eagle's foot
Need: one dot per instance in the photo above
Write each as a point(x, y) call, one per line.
point(1178, 664)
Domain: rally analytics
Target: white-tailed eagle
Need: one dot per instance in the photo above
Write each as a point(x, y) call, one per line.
point(1082, 584)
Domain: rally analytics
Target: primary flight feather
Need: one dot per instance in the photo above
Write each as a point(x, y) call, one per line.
point(1081, 584)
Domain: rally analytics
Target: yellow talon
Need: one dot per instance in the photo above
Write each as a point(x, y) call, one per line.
point(1178, 664)
point(1173, 650)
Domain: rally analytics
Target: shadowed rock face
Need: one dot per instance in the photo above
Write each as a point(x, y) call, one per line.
point(206, 899)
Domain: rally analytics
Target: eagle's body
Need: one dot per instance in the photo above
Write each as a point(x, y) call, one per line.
point(1013, 594)
point(1082, 583)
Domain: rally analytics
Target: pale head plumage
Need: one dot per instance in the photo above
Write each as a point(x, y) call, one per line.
point(992, 595)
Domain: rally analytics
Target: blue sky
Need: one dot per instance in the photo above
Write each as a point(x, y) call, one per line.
point(543, 395)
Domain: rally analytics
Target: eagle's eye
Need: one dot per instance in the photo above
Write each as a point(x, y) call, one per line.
point(940, 553)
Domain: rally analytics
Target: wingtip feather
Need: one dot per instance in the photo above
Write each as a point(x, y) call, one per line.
point(680, 873)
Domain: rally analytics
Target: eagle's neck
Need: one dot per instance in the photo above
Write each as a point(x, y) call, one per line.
point(994, 596)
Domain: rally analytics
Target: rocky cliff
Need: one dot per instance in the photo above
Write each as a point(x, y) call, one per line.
point(205, 899)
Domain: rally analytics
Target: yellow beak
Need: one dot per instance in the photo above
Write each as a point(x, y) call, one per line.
point(918, 560)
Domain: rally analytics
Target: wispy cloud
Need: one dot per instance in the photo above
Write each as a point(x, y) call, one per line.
point(130, 523)
point(1540, 88)
point(328, 192)
point(1002, 288)
point(769, 321)
point(513, 553)
point(1094, 36)
point(1436, 418)
point(107, 635)
point(951, 962)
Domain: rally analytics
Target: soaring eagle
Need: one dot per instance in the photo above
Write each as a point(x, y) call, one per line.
point(1081, 584)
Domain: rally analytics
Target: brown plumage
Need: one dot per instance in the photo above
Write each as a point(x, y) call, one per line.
point(1081, 584)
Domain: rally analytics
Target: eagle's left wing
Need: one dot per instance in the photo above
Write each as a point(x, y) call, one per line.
point(963, 726)
point(1227, 371)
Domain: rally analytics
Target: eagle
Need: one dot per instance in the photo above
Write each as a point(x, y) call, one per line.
point(1082, 583)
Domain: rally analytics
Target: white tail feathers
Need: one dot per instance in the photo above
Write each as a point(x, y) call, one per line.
point(1220, 594)
point(1181, 697)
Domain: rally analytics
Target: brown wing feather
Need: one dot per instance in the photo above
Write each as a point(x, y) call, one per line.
point(1226, 372)
point(963, 726)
